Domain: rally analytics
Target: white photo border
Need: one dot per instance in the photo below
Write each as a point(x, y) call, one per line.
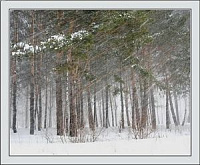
point(123, 5)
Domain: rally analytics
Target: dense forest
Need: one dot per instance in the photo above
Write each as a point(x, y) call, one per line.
point(88, 69)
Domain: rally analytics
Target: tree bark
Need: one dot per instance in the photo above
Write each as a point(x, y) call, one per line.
point(176, 106)
point(14, 81)
point(122, 106)
point(112, 113)
point(153, 114)
point(95, 107)
point(32, 84)
point(172, 109)
point(46, 102)
point(167, 110)
point(90, 114)
point(126, 105)
point(144, 105)
point(106, 105)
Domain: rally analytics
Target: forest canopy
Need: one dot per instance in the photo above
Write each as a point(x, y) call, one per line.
point(98, 68)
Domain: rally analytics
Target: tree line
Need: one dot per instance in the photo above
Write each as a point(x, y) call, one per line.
point(88, 62)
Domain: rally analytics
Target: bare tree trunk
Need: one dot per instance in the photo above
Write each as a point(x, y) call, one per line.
point(40, 97)
point(100, 114)
point(176, 106)
point(81, 109)
point(59, 101)
point(106, 105)
point(167, 110)
point(122, 106)
point(95, 107)
point(36, 101)
point(14, 81)
point(126, 104)
point(111, 107)
point(50, 107)
point(73, 122)
point(103, 110)
point(46, 102)
point(26, 110)
point(90, 115)
point(153, 114)
point(66, 116)
point(172, 109)
point(184, 118)
point(144, 106)
point(78, 105)
point(116, 121)
point(32, 84)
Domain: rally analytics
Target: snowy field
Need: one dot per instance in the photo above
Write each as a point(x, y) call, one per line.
point(106, 142)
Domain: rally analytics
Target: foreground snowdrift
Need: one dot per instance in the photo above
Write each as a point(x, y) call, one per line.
point(162, 143)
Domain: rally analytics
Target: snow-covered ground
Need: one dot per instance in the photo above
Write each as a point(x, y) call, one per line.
point(107, 142)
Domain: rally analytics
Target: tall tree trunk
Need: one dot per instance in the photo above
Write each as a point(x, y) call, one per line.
point(59, 112)
point(153, 114)
point(112, 113)
point(126, 104)
point(106, 105)
point(40, 96)
point(100, 114)
point(122, 106)
point(172, 109)
point(59, 102)
point(50, 107)
point(81, 109)
point(66, 116)
point(90, 115)
point(144, 105)
point(78, 105)
point(71, 74)
point(103, 110)
point(46, 103)
point(95, 106)
point(134, 102)
point(26, 109)
point(32, 83)
point(176, 106)
point(184, 118)
point(73, 122)
point(14, 121)
point(36, 101)
point(116, 121)
point(14, 81)
point(167, 110)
